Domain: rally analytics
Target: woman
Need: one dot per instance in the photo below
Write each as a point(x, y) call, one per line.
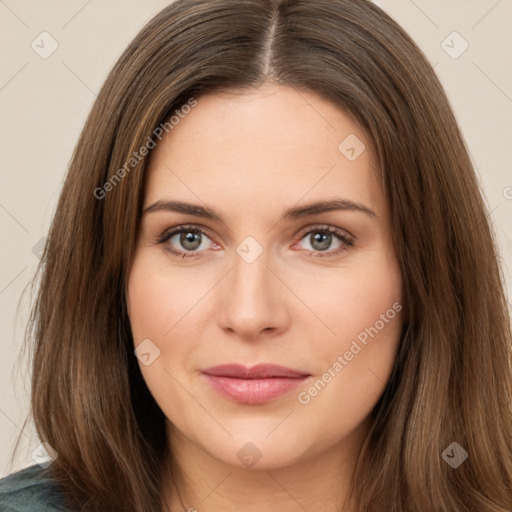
point(270, 282)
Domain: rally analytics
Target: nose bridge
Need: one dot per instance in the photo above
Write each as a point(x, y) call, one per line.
point(252, 303)
point(250, 277)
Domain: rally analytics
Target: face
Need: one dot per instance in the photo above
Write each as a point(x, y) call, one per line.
point(265, 240)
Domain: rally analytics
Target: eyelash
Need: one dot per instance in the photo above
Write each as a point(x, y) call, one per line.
point(346, 240)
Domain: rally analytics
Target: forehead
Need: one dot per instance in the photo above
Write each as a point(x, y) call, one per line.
point(264, 148)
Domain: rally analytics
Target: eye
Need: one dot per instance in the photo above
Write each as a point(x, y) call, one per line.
point(191, 241)
point(322, 238)
point(185, 241)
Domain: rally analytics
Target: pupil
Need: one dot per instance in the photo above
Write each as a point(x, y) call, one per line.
point(323, 239)
point(189, 240)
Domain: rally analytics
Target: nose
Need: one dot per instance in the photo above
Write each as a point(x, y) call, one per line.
point(254, 301)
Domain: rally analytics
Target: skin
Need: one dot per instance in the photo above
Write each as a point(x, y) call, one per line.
point(249, 157)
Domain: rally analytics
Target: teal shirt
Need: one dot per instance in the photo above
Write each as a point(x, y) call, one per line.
point(29, 490)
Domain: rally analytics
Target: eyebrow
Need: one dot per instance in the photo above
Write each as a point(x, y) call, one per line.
point(293, 213)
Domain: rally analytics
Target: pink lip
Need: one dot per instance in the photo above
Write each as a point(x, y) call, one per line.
point(255, 385)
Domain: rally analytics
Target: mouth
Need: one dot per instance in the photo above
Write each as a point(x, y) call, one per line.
point(256, 385)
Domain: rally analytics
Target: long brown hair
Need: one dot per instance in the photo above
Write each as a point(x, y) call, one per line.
point(452, 379)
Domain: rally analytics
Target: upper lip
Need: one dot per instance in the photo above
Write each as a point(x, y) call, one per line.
point(259, 371)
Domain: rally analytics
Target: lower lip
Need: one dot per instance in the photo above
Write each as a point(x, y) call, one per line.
point(253, 391)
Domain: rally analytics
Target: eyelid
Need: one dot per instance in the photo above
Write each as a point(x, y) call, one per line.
point(325, 227)
point(169, 232)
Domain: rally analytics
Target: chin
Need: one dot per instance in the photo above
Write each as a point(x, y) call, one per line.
point(258, 453)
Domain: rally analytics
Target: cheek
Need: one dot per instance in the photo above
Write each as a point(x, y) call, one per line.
point(158, 304)
point(353, 299)
point(361, 307)
point(159, 299)
point(166, 306)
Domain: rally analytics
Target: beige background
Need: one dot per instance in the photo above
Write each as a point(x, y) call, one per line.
point(44, 103)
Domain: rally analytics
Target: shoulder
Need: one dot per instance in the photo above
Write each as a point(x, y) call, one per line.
point(29, 490)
